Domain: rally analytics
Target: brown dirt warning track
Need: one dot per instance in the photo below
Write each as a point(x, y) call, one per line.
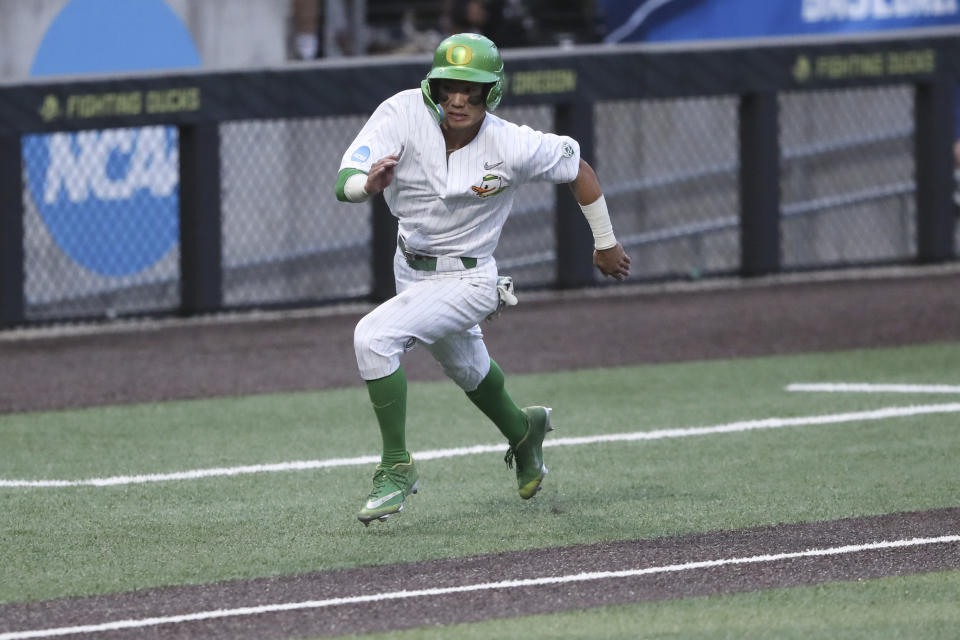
point(153, 361)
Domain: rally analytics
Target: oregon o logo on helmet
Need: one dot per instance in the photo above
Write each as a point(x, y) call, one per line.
point(459, 54)
point(110, 198)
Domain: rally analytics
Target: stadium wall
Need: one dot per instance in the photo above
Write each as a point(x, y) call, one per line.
point(741, 157)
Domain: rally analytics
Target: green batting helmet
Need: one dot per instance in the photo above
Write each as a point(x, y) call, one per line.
point(467, 57)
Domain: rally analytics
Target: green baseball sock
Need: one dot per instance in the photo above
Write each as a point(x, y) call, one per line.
point(492, 398)
point(389, 398)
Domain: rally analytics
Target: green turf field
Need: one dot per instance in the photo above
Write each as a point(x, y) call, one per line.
point(81, 540)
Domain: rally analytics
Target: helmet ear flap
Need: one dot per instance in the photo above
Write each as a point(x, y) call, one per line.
point(435, 110)
point(494, 95)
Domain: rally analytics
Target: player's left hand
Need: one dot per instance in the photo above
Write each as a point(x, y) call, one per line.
point(613, 262)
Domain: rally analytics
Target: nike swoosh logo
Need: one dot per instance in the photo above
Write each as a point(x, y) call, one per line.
point(373, 504)
point(488, 166)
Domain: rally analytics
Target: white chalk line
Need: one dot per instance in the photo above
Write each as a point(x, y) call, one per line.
point(116, 625)
point(861, 387)
point(661, 434)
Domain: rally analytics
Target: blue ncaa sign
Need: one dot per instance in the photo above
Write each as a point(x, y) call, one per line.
point(110, 198)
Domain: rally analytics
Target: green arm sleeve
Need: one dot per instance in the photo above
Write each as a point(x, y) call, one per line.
point(341, 180)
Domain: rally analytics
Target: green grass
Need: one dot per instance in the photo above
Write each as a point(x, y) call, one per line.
point(83, 540)
point(902, 608)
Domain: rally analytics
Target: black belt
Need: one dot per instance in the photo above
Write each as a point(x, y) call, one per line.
point(427, 263)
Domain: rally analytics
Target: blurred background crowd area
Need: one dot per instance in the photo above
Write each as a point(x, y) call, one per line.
point(245, 34)
point(335, 28)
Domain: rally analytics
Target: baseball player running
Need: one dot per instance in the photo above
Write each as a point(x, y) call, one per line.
point(449, 169)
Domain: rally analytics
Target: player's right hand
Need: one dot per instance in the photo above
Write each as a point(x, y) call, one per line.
point(381, 174)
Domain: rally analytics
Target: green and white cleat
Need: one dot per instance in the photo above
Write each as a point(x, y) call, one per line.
point(528, 453)
point(390, 486)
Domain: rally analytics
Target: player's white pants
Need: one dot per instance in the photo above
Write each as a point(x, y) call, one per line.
point(441, 309)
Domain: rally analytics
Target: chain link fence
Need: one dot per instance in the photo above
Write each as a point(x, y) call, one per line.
point(101, 206)
point(847, 183)
point(669, 171)
point(286, 239)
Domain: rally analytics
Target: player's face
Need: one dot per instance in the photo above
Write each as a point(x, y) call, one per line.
point(462, 103)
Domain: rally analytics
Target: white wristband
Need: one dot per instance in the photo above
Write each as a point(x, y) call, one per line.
point(599, 220)
point(353, 188)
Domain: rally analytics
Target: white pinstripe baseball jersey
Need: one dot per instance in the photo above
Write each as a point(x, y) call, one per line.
point(456, 206)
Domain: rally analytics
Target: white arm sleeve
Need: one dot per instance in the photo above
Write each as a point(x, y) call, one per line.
point(354, 189)
point(599, 220)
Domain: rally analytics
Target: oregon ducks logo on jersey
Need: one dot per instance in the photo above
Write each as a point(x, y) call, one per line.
point(490, 185)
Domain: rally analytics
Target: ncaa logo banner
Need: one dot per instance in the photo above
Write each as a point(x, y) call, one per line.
point(109, 199)
point(665, 20)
